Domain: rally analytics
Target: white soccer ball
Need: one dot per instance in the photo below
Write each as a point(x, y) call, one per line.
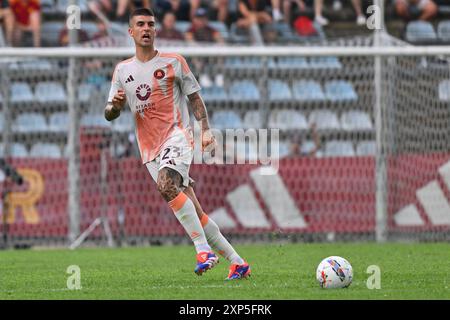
point(334, 272)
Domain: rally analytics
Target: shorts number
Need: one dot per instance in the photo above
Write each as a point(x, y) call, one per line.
point(176, 153)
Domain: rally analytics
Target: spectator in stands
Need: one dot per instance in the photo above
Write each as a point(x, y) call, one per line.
point(252, 14)
point(217, 9)
point(27, 15)
point(416, 9)
point(201, 31)
point(104, 9)
point(7, 17)
point(357, 6)
point(168, 30)
point(181, 8)
point(64, 36)
point(295, 148)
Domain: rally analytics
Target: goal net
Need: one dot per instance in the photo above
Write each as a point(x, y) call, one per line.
point(362, 137)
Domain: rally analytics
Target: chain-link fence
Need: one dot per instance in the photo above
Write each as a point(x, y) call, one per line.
point(333, 180)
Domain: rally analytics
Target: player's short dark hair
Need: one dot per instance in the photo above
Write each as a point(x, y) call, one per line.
point(141, 12)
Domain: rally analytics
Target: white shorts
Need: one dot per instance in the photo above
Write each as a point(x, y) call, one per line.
point(176, 153)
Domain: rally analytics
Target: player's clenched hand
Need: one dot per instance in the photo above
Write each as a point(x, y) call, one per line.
point(209, 143)
point(119, 100)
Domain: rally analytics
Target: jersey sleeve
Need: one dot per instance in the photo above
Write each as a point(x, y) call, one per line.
point(115, 85)
point(188, 82)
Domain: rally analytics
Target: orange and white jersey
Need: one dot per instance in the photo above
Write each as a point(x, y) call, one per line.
point(156, 93)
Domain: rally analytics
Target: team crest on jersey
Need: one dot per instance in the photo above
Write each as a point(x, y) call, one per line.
point(159, 74)
point(143, 92)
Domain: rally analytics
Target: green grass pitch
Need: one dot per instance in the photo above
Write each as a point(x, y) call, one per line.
point(280, 271)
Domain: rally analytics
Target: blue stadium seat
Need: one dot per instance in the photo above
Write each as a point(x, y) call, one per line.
point(307, 90)
point(58, 122)
point(225, 119)
point(94, 120)
point(222, 28)
point(21, 92)
point(182, 26)
point(18, 150)
point(244, 90)
point(239, 35)
point(420, 32)
point(444, 90)
point(48, 6)
point(443, 31)
point(336, 148)
point(324, 63)
point(45, 150)
point(287, 119)
point(214, 93)
point(31, 64)
point(279, 91)
point(63, 4)
point(340, 90)
point(290, 63)
point(90, 28)
point(50, 31)
point(243, 63)
point(50, 92)
point(124, 123)
point(366, 148)
point(355, 120)
point(30, 122)
point(324, 120)
point(252, 120)
point(85, 91)
point(2, 119)
point(308, 146)
point(284, 149)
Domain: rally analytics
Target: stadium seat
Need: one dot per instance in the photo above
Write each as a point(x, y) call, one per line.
point(30, 122)
point(287, 119)
point(284, 32)
point(420, 32)
point(324, 120)
point(244, 90)
point(284, 149)
point(214, 93)
point(85, 91)
point(239, 35)
point(21, 92)
point(50, 92)
point(45, 150)
point(63, 4)
point(48, 6)
point(287, 63)
point(59, 122)
point(50, 31)
point(444, 90)
point(18, 150)
point(90, 27)
point(182, 26)
point(308, 146)
point(222, 28)
point(340, 90)
point(225, 119)
point(443, 31)
point(279, 90)
point(2, 119)
point(243, 63)
point(356, 120)
point(307, 90)
point(94, 120)
point(252, 119)
point(337, 148)
point(366, 148)
point(124, 123)
point(324, 63)
point(31, 64)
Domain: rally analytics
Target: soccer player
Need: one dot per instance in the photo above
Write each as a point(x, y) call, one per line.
point(156, 85)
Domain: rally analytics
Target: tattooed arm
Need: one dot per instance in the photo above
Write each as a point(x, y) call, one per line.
point(201, 115)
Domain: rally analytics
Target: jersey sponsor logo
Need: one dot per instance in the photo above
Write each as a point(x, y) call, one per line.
point(129, 79)
point(159, 74)
point(143, 92)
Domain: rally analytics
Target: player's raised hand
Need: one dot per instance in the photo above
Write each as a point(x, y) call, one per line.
point(119, 99)
point(209, 143)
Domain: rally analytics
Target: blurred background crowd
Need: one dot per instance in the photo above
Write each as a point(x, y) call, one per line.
point(42, 22)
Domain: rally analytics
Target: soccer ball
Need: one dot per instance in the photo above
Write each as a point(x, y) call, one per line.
point(334, 272)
